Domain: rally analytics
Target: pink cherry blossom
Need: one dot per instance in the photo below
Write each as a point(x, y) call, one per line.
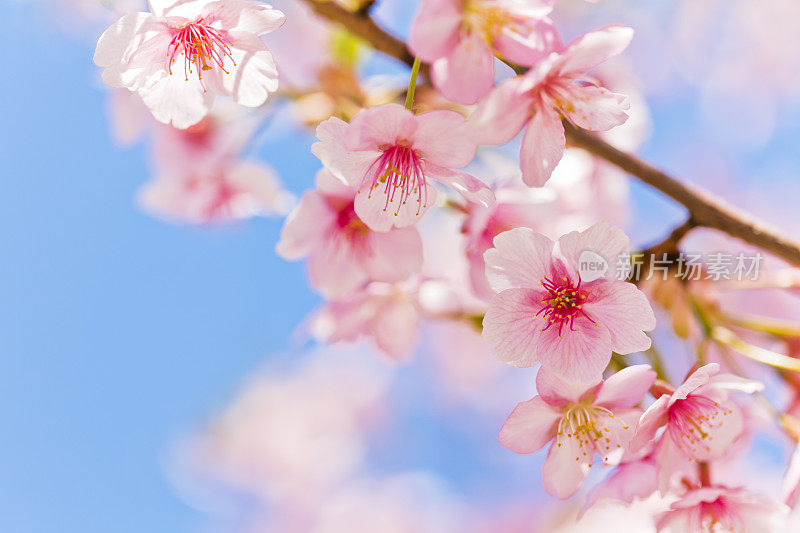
point(218, 139)
point(582, 190)
point(461, 37)
point(555, 88)
point(701, 422)
point(516, 206)
point(182, 53)
point(390, 155)
point(713, 509)
point(224, 193)
point(343, 253)
point(630, 481)
point(546, 313)
point(386, 313)
point(581, 420)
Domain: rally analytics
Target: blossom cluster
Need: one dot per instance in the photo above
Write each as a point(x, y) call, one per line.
point(418, 215)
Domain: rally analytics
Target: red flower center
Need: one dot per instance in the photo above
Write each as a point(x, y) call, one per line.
point(562, 303)
point(398, 175)
point(202, 48)
point(348, 222)
point(692, 422)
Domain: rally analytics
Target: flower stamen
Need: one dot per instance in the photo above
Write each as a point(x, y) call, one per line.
point(202, 46)
point(562, 304)
point(399, 171)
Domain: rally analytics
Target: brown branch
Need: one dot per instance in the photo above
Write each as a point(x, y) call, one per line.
point(670, 244)
point(704, 208)
point(361, 25)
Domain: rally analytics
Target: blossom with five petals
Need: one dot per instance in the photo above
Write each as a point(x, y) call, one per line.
point(390, 155)
point(545, 312)
point(343, 253)
point(556, 87)
point(700, 420)
point(461, 37)
point(224, 193)
point(581, 420)
point(386, 313)
point(182, 53)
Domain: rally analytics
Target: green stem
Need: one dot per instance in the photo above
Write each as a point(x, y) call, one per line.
point(412, 84)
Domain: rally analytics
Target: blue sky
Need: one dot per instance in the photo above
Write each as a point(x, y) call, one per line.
point(117, 331)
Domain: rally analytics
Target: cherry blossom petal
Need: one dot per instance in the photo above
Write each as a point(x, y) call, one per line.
point(626, 388)
point(467, 74)
point(380, 214)
point(624, 311)
point(441, 137)
point(699, 377)
point(530, 426)
point(602, 238)
point(591, 49)
point(618, 431)
point(630, 481)
point(332, 187)
point(435, 29)
point(114, 44)
point(565, 468)
point(581, 355)
point(510, 324)
point(653, 418)
point(178, 8)
point(595, 108)
point(717, 434)
point(332, 268)
point(177, 101)
point(527, 48)
point(349, 167)
point(255, 75)
point(559, 390)
point(465, 184)
point(242, 15)
point(503, 113)
point(305, 227)
point(395, 329)
point(392, 256)
point(142, 62)
point(521, 257)
point(375, 127)
point(542, 147)
point(672, 464)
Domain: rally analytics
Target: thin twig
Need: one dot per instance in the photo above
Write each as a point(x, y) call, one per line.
point(669, 245)
point(704, 208)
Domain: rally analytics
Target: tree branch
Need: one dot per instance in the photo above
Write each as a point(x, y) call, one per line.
point(704, 208)
point(361, 25)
